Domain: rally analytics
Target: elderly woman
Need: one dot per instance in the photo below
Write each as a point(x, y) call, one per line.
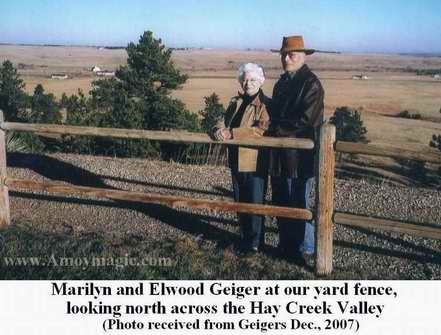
point(247, 117)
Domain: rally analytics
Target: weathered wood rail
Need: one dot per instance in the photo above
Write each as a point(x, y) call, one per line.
point(165, 200)
point(166, 136)
point(323, 215)
point(425, 154)
point(422, 230)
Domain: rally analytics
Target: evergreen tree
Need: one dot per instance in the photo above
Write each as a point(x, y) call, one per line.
point(78, 113)
point(139, 97)
point(149, 68)
point(77, 107)
point(212, 112)
point(12, 95)
point(44, 108)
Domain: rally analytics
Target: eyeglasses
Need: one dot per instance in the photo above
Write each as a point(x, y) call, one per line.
point(290, 54)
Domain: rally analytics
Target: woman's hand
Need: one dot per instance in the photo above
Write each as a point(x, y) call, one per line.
point(223, 134)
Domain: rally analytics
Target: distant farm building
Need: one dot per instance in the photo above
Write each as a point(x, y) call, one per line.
point(95, 69)
point(360, 77)
point(105, 73)
point(59, 76)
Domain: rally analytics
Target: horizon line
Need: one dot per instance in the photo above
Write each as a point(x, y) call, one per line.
point(115, 47)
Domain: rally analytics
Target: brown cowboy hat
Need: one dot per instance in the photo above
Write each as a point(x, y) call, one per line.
point(294, 43)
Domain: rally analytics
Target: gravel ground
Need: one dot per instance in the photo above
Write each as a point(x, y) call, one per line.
point(358, 253)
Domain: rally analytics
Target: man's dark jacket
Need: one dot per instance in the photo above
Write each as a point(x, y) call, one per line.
point(297, 111)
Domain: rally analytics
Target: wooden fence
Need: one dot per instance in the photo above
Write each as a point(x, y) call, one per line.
point(323, 215)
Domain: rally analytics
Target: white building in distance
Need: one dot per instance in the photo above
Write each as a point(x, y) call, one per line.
point(105, 73)
point(59, 76)
point(360, 77)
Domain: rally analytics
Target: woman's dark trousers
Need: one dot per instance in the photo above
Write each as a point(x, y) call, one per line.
point(251, 188)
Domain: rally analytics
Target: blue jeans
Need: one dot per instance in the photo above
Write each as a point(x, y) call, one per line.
point(295, 236)
point(250, 187)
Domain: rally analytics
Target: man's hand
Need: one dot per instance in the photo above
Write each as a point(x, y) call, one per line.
point(223, 134)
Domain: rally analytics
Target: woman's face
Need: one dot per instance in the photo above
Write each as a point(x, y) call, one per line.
point(250, 85)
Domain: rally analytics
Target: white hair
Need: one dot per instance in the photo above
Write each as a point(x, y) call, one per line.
point(255, 70)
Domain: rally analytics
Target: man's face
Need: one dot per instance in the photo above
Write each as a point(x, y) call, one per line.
point(292, 60)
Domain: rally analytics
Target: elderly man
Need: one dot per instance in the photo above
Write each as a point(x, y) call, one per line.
point(297, 112)
point(247, 117)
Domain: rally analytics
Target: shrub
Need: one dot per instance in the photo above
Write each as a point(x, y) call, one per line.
point(15, 143)
point(349, 125)
point(212, 154)
point(414, 169)
point(30, 143)
point(13, 101)
point(407, 115)
point(78, 113)
point(436, 143)
point(427, 72)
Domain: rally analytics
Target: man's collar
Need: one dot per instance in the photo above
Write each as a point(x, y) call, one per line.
point(288, 75)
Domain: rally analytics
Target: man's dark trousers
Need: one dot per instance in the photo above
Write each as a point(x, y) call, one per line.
point(296, 236)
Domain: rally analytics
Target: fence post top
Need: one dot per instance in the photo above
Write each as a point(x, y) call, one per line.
point(329, 129)
point(328, 124)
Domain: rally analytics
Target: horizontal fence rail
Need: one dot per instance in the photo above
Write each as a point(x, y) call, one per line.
point(422, 230)
point(165, 200)
point(169, 136)
point(424, 153)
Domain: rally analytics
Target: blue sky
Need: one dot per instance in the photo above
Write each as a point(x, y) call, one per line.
point(358, 26)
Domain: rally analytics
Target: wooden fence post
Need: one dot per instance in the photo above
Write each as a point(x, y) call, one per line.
point(5, 218)
point(324, 206)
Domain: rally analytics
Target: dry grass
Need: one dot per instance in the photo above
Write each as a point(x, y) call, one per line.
point(58, 87)
point(404, 132)
point(389, 91)
point(46, 60)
